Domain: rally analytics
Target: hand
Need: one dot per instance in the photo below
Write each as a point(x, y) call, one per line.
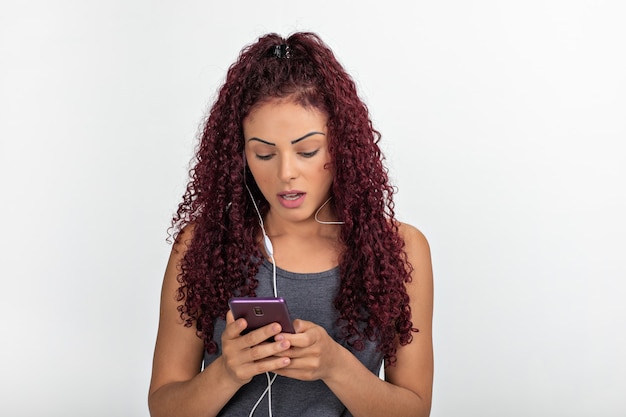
point(244, 356)
point(313, 353)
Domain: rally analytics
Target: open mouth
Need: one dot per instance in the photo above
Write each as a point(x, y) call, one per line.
point(291, 197)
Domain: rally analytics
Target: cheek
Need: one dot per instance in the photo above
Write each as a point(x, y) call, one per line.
point(325, 176)
point(260, 175)
point(258, 170)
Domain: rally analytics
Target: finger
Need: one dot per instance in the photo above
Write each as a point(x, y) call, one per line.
point(229, 317)
point(263, 351)
point(262, 334)
point(234, 327)
point(299, 340)
point(293, 353)
point(270, 364)
point(302, 326)
point(297, 369)
point(243, 367)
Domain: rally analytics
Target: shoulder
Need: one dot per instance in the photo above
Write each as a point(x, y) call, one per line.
point(414, 240)
point(182, 242)
point(183, 239)
point(418, 255)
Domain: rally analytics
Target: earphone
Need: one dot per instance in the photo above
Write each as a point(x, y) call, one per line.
point(267, 243)
point(322, 221)
point(269, 249)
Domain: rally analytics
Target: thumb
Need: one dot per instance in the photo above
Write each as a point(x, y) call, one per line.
point(229, 317)
point(302, 326)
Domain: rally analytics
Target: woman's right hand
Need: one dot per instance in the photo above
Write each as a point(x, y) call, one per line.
point(248, 355)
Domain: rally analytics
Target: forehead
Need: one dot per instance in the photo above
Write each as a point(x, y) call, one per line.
point(282, 119)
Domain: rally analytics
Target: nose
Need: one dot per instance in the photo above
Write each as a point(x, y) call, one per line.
point(287, 169)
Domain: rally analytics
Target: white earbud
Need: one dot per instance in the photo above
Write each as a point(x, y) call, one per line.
point(268, 245)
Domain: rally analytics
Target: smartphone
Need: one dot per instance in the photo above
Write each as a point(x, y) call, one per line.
point(259, 312)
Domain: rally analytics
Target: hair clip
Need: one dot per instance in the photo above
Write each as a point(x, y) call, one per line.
point(281, 51)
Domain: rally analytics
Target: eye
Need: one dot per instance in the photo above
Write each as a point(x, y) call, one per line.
point(264, 157)
point(309, 154)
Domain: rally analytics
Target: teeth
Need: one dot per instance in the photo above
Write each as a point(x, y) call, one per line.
point(290, 196)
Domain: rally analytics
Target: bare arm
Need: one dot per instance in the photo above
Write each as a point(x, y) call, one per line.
point(177, 386)
point(407, 389)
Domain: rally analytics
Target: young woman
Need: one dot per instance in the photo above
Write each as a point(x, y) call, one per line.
point(288, 197)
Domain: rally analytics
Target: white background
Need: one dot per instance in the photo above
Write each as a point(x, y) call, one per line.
point(503, 123)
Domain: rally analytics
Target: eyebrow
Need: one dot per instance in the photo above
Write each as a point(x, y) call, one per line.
point(293, 142)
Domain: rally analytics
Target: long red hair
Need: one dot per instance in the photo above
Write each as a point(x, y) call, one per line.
point(223, 257)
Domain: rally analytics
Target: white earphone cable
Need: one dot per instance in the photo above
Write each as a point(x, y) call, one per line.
point(269, 249)
point(322, 221)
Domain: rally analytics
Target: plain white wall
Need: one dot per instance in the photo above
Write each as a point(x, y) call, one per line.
point(503, 124)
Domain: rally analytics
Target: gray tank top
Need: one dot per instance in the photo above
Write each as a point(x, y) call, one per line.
point(309, 297)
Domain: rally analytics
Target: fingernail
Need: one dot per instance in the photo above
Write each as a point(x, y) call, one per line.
point(279, 338)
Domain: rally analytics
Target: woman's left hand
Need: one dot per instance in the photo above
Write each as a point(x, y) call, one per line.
point(313, 352)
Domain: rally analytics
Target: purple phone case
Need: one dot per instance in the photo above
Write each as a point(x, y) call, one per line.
point(261, 311)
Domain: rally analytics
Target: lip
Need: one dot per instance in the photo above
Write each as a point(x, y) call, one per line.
point(291, 203)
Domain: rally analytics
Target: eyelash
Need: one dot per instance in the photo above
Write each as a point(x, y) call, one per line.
point(303, 154)
point(309, 154)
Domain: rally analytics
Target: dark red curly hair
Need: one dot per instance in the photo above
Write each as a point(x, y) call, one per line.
point(223, 256)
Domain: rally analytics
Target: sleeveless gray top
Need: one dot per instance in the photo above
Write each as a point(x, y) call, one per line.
point(309, 297)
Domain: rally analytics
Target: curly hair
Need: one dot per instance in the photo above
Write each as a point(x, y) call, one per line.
point(372, 301)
